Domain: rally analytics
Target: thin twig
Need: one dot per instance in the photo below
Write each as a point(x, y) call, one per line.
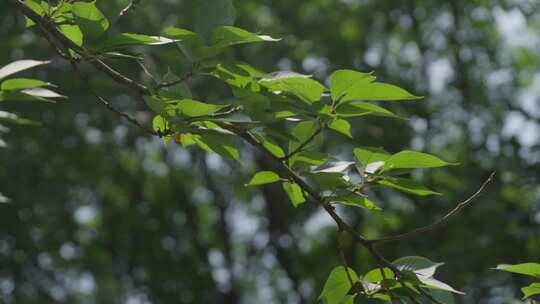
point(442, 220)
point(186, 77)
point(131, 6)
point(303, 145)
point(106, 103)
point(50, 27)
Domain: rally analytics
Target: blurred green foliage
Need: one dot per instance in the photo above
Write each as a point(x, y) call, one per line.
point(103, 213)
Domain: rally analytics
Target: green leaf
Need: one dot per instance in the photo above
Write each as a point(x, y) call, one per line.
point(417, 264)
point(18, 66)
point(215, 143)
point(328, 180)
point(264, 177)
point(294, 192)
point(377, 91)
point(155, 104)
point(355, 200)
point(42, 92)
point(368, 155)
point(353, 109)
point(191, 44)
point(531, 290)
point(210, 14)
point(21, 83)
point(238, 74)
point(36, 7)
point(159, 124)
point(302, 132)
point(193, 108)
point(406, 185)
point(530, 269)
point(411, 160)
point(302, 86)
point(424, 269)
point(375, 275)
point(337, 285)
point(342, 126)
point(271, 146)
point(178, 91)
point(343, 81)
point(225, 36)
point(311, 157)
point(72, 32)
point(126, 39)
point(90, 20)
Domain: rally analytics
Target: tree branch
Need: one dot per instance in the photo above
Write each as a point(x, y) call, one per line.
point(442, 220)
point(50, 27)
point(131, 6)
point(106, 103)
point(303, 145)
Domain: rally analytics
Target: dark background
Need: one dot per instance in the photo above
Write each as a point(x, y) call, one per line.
point(103, 213)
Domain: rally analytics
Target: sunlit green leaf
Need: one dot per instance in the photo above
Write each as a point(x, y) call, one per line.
point(355, 200)
point(238, 74)
point(531, 290)
point(295, 193)
point(302, 86)
point(126, 39)
point(338, 285)
point(530, 269)
point(343, 81)
point(89, 19)
point(342, 126)
point(417, 264)
point(353, 109)
point(407, 185)
point(377, 91)
point(21, 83)
point(72, 32)
point(264, 177)
point(18, 66)
point(159, 124)
point(411, 159)
point(193, 108)
point(368, 155)
point(424, 269)
point(376, 275)
point(271, 146)
point(225, 36)
point(42, 92)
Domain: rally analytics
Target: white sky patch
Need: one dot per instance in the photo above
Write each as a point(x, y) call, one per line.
point(526, 131)
point(499, 77)
point(317, 222)
point(85, 214)
point(529, 99)
point(512, 25)
point(440, 72)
